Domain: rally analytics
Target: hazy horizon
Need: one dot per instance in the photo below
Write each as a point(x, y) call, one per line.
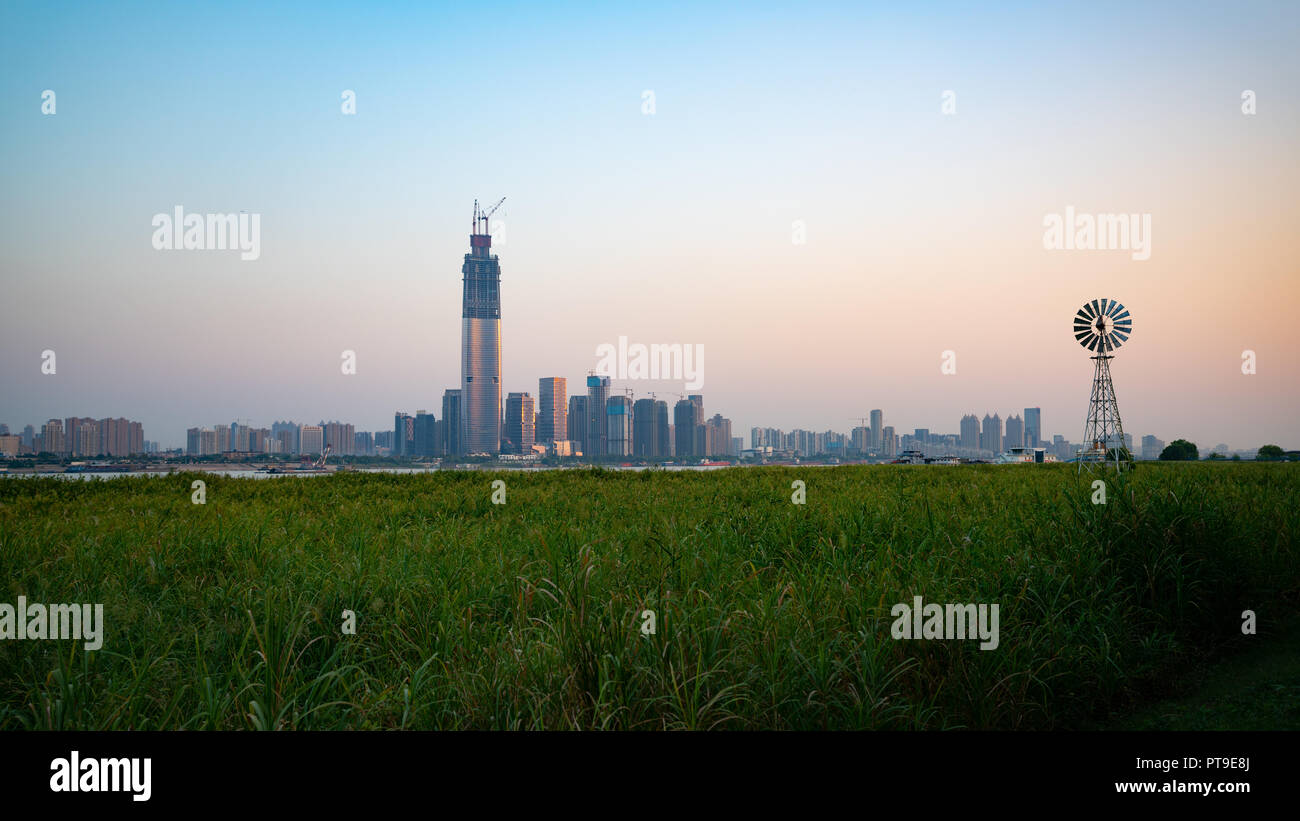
point(924, 230)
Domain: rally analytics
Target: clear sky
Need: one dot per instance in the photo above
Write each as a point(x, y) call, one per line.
point(924, 230)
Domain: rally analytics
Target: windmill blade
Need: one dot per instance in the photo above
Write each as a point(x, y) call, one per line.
point(1104, 304)
point(1093, 345)
point(1118, 317)
point(1079, 326)
point(1083, 338)
point(1095, 310)
point(1114, 308)
point(1088, 312)
point(1123, 337)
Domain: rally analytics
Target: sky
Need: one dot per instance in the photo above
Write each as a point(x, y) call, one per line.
point(797, 201)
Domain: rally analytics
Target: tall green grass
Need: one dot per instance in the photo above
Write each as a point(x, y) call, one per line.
point(526, 615)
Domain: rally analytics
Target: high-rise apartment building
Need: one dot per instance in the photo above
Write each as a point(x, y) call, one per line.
point(1152, 447)
point(552, 409)
point(991, 438)
point(403, 434)
point(645, 433)
point(453, 425)
point(425, 436)
point(339, 438)
point(52, 440)
point(480, 344)
point(877, 431)
point(618, 416)
point(717, 436)
point(1015, 435)
point(287, 434)
point(313, 440)
point(597, 425)
point(578, 423)
point(684, 425)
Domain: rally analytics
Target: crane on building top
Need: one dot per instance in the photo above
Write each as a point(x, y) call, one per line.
point(483, 215)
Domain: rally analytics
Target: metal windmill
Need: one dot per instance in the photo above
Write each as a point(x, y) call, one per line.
point(1101, 326)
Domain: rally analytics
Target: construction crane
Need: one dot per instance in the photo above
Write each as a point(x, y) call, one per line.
point(320, 463)
point(483, 215)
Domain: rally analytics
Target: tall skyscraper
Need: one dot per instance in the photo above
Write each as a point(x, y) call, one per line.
point(552, 410)
point(480, 343)
point(453, 426)
point(1033, 427)
point(597, 425)
point(877, 431)
point(970, 431)
point(578, 422)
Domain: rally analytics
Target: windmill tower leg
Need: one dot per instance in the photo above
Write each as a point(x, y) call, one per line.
point(1104, 430)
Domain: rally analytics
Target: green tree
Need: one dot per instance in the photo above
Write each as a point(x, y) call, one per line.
point(1179, 450)
point(1269, 452)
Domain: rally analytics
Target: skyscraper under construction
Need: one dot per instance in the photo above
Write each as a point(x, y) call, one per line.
point(480, 341)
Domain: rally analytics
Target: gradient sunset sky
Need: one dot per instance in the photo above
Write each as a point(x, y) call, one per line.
point(924, 230)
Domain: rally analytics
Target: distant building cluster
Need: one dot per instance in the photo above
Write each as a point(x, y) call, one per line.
point(976, 439)
point(288, 438)
point(77, 436)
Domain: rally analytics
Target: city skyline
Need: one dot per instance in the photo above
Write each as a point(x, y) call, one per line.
point(819, 223)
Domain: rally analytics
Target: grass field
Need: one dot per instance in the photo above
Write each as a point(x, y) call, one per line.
point(470, 614)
